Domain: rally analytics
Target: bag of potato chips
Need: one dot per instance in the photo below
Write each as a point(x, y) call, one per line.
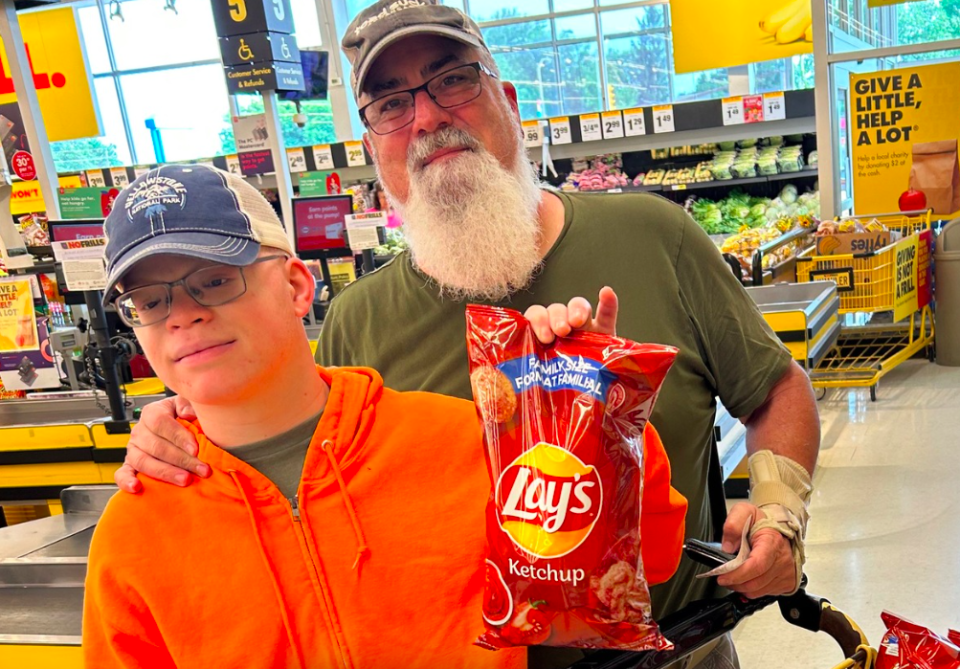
point(563, 429)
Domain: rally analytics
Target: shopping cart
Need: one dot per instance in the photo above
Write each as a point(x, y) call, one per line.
point(706, 621)
point(872, 283)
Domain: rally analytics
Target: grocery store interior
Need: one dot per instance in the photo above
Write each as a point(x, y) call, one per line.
point(814, 141)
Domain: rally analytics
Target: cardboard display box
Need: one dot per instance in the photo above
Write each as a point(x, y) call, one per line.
point(856, 243)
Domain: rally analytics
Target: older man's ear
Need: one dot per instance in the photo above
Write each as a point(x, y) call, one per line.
point(511, 92)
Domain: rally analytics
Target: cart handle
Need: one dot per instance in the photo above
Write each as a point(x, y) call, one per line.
point(819, 615)
point(915, 212)
point(773, 245)
point(864, 658)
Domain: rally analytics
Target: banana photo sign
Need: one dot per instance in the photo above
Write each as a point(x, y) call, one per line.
point(752, 30)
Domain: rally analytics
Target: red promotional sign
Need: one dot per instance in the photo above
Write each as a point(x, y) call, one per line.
point(107, 198)
point(753, 108)
point(23, 166)
point(333, 184)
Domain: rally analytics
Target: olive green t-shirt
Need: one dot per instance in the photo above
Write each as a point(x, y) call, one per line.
point(281, 458)
point(674, 288)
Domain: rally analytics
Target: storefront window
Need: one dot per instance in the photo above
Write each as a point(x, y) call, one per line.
point(638, 71)
point(150, 36)
point(169, 72)
point(534, 73)
point(318, 130)
point(92, 152)
point(494, 10)
point(575, 27)
point(571, 5)
point(188, 105)
point(505, 38)
point(580, 78)
point(858, 26)
point(769, 76)
point(91, 32)
point(307, 23)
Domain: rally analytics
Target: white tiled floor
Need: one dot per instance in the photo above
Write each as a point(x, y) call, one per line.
point(885, 517)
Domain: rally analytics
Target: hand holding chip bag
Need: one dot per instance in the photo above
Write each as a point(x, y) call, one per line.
point(571, 456)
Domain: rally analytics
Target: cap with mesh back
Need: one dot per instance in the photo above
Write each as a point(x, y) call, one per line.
point(384, 22)
point(189, 210)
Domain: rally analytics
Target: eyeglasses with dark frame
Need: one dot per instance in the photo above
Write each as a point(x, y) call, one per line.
point(451, 88)
point(208, 286)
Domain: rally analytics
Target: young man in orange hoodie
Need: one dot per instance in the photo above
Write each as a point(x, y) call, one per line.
point(343, 524)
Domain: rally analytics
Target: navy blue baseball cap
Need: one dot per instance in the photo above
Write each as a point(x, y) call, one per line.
point(189, 210)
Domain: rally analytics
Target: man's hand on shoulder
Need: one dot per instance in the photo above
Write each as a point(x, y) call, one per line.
point(161, 448)
point(559, 320)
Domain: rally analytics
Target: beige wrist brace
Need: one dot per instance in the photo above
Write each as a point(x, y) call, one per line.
point(781, 489)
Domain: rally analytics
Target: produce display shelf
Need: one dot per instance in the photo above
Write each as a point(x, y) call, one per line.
point(716, 183)
point(660, 188)
point(786, 176)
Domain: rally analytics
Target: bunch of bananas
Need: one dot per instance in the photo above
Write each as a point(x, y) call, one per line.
point(792, 22)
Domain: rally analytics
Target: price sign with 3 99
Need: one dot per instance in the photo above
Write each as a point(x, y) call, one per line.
point(560, 131)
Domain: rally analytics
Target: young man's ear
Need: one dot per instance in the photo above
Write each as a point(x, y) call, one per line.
point(303, 284)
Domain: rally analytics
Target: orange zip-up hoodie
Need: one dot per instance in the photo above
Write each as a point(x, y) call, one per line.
point(378, 561)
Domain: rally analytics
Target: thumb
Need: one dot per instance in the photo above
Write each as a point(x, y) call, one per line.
point(608, 305)
point(184, 409)
point(733, 528)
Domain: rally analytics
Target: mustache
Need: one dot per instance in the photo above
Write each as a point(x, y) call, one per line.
point(444, 138)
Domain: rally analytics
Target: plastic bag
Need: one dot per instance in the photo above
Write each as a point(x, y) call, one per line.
point(907, 645)
point(563, 428)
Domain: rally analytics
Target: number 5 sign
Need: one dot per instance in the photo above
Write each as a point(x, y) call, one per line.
point(242, 17)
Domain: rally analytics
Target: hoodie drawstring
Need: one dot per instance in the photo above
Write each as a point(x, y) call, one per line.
point(362, 549)
point(266, 561)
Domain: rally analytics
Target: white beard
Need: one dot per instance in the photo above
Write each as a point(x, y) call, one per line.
point(471, 224)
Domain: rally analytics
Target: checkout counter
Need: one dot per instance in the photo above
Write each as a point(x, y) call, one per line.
point(47, 445)
point(43, 564)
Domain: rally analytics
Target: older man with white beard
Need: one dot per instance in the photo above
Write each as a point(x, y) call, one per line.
point(446, 139)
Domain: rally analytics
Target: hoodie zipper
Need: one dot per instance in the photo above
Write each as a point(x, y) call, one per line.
point(298, 527)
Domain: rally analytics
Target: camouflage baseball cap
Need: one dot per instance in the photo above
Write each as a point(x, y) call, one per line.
point(384, 22)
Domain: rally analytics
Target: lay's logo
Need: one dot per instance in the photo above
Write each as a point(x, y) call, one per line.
point(548, 501)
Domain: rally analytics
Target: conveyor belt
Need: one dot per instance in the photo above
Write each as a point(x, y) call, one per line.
point(33, 612)
point(41, 412)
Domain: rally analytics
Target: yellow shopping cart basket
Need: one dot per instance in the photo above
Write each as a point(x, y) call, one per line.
point(892, 279)
point(877, 281)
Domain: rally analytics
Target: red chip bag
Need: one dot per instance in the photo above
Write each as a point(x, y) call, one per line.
point(907, 645)
point(563, 428)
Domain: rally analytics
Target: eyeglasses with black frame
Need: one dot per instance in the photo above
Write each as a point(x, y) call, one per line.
point(450, 88)
point(208, 286)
